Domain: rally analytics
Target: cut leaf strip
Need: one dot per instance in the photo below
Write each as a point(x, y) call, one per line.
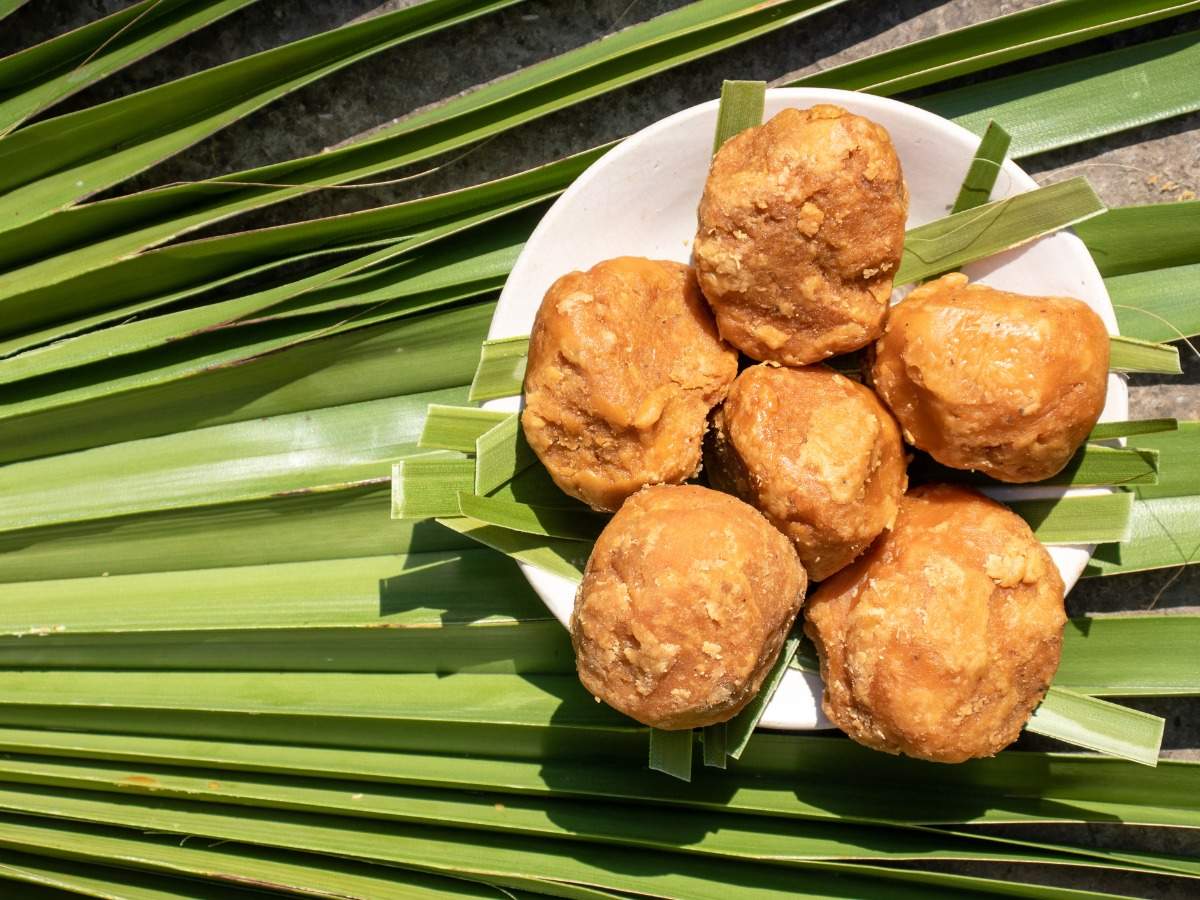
point(741, 727)
point(1164, 532)
point(741, 107)
point(457, 427)
point(1128, 354)
point(671, 753)
point(963, 237)
point(565, 523)
point(1092, 519)
point(561, 557)
point(981, 176)
point(1152, 655)
point(1092, 465)
point(425, 487)
point(716, 745)
point(501, 371)
point(1098, 725)
point(1106, 431)
point(501, 453)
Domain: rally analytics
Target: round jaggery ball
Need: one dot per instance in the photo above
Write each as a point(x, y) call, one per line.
point(817, 453)
point(685, 603)
point(941, 641)
point(801, 230)
point(624, 366)
point(1005, 384)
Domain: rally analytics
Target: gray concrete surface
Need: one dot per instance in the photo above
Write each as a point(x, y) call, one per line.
point(1146, 165)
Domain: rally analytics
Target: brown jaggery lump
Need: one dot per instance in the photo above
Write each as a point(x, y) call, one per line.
point(941, 641)
point(624, 366)
point(801, 230)
point(816, 453)
point(685, 603)
point(1005, 384)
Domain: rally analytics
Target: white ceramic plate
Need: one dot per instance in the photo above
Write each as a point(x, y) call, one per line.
point(640, 200)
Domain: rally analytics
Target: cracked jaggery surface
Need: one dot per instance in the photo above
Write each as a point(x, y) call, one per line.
point(817, 453)
point(801, 230)
point(1005, 384)
point(624, 366)
point(941, 641)
point(685, 603)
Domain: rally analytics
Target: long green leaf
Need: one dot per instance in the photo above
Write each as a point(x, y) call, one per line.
point(40, 76)
point(428, 486)
point(8, 7)
point(1085, 98)
point(991, 43)
point(1105, 431)
point(149, 334)
point(133, 223)
point(1160, 305)
point(523, 716)
point(53, 164)
point(976, 233)
point(1091, 465)
point(227, 377)
point(323, 449)
point(1131, 656)
point(294, 528)
point(226, 864)
point(498, 855)
point(1098, 725)
point(1140, 238)
point(419, 612)
point(778, 840)
point(1164, 532)
point(842, 781)
point(43, 291)
point(35, 873)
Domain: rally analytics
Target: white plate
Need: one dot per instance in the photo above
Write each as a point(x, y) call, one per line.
point(640, 199)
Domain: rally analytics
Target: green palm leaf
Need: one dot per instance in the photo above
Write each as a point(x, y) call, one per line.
point(51, 165)
point(991, 43)
point(38, 77)
point(1082, 99)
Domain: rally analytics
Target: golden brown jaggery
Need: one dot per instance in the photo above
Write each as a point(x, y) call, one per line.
point(624, 366)
point(816, 453)
point(685, 603)
point(801, 230)
point(940, 641)
point(1002, 383)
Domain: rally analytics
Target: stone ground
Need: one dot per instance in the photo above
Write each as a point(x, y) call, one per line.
point(1150, 164)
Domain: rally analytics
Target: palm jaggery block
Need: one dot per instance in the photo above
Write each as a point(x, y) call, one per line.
point(817, 453)
point(684, 606)
point(801, 230)
point(624, 365)
point(1005, 384)
point(941, 641)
